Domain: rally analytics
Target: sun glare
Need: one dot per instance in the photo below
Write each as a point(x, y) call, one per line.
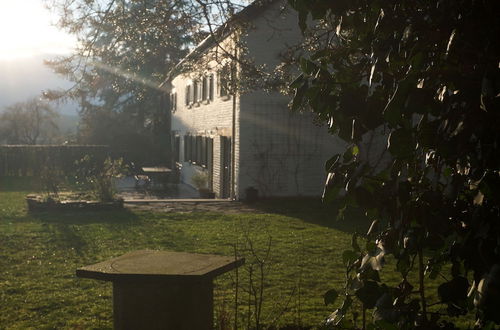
point(26, 30)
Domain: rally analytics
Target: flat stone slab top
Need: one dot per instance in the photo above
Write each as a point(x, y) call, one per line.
point(156, 169)
point(160, 265)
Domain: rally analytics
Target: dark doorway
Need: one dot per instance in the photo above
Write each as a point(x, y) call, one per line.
point(210, 164)
point(226, 167)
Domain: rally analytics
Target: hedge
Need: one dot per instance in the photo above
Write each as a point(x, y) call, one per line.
point(29, 160)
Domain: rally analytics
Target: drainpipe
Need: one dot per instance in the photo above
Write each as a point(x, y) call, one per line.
point(234, 77)
point(166, 111)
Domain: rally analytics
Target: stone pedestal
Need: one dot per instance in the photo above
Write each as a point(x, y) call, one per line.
point(161, 289)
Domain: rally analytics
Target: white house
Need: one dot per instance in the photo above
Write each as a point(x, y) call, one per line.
point(250, 139)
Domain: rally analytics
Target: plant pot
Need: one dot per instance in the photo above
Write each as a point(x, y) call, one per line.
point(206, 193)
point(252, 195)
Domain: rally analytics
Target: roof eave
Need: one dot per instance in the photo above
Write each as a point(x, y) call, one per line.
point(248, 13)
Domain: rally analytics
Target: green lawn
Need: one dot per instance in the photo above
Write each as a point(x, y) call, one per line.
point(39, 255)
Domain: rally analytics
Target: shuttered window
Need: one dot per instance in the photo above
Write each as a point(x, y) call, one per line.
point(197, 150)
point(205, 93)
point(211, 87)
point(173, 102)
point(224, 79)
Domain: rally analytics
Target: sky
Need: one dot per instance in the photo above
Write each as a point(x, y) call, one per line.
point(27, 37)
point(26, 29)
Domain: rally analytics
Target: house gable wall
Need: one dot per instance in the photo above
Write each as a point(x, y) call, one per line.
point(281, 153)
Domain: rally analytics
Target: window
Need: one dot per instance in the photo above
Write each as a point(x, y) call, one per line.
point(176, 147)
point(205, 89)
point(198, 150)
point(195, 91)
point(211, 87)
point(189, 95)
point(224, 79)
point(199, 97)
point(173, 102)
point(208, 88)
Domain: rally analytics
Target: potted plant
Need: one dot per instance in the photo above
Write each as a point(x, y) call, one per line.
point(200, 182)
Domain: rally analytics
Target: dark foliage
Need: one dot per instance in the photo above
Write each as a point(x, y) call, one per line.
point(414, 87)
point(126, 49)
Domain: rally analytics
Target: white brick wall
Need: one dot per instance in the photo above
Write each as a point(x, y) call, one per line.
point(277, 152)
point(282, 153)
point(271, 34)
point(217, 175)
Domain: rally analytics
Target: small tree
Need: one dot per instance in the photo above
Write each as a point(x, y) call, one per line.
point(99, 176)
point(31, 122)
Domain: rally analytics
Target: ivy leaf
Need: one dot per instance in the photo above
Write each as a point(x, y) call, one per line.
point(404, 192)
point(364, 197)
point(370, 247)
point(392, 111)
point(374, 261)
point(350, 153)
point(427, 134)
point(369, 294)
point(384, 325)
point(338, 315)
point(345, 129)
point(401, 144)
point(403, 264)
point(330, 296)
point(299, 81)
point(307, 66)
point(321, 53)
point(298, 99)
point(369, 273)
point(354, 243)
point(454, 290)
point(349, 257)
point(330, 163)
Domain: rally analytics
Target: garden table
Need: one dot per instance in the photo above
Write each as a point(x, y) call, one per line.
point(162, 289)
point(158, 174)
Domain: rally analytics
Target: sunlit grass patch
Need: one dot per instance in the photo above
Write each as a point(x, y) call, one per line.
point(40, 253)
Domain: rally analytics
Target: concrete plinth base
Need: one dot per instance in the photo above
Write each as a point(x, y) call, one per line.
point(162, 289)
point(168, 305)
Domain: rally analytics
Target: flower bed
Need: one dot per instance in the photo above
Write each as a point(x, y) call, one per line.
point(37, 203)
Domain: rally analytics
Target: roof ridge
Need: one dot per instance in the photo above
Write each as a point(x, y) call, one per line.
point(249, 12)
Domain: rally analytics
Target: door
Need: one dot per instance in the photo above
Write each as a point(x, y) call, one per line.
point(226, 167)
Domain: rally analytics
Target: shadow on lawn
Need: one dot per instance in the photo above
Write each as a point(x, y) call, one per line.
point(19, 184)
point(67, 229)
point(122, 216)
point(313, 210)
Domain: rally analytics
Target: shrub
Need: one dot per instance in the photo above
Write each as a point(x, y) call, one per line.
point(98, 176)
point(200, 180)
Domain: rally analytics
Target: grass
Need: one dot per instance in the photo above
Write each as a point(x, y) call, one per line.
point(40, 253)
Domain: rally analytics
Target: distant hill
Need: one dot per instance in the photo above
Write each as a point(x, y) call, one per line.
point(25, 78)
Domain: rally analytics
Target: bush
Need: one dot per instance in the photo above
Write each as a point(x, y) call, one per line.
point(99, 176)
point(200, 180)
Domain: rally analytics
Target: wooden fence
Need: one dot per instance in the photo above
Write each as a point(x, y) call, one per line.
point(29, 160)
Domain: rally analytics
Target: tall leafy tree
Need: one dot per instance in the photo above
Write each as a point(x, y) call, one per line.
point(125, 49)
point(414, 88)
